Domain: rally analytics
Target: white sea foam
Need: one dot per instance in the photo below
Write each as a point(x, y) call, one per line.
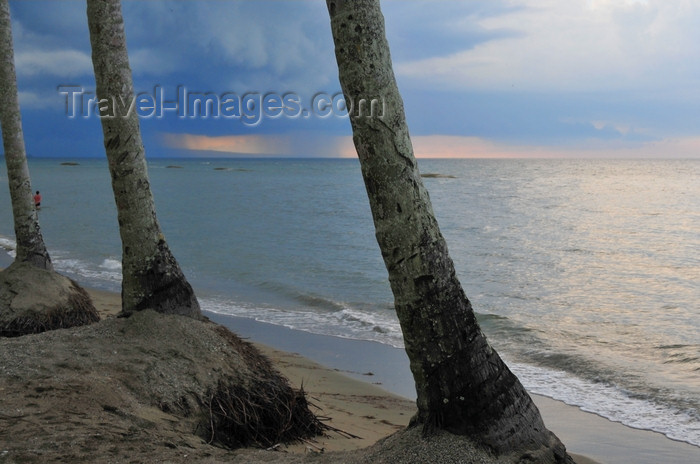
point(107, 274)
point(346, 323)
point(7, 243)
point(604, 400)
point(626, 291)
point(111, 264)
point(609, 402)
point(385, 326)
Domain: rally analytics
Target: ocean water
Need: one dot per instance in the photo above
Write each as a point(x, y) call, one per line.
point(585, 274)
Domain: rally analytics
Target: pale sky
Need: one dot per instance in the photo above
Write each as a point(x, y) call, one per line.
point(480, 78)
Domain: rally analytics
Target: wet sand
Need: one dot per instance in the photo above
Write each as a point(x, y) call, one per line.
point(366, 391)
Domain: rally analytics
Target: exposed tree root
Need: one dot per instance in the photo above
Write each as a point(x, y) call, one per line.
point(264, 412)
point(34, 300)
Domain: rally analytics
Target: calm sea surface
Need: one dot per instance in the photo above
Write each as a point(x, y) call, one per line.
point(585, 274)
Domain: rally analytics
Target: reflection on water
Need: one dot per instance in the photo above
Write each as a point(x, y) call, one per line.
point(585, 272)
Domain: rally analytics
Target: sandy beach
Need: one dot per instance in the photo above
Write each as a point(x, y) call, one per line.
point(350, 390)
point(365, 390)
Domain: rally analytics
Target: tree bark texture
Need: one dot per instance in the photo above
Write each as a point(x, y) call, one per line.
point(30, 243)
point(462, 384)
point(152, 277)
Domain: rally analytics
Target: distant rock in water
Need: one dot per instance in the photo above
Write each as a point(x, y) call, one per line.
point(222, 169)
point(70, 163)
point(434, 175)
point(172, 166)
point(232, 169)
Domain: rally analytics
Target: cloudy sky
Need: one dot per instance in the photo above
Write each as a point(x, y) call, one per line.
point(480, 78)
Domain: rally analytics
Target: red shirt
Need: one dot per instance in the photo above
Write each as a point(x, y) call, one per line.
point(37, 199)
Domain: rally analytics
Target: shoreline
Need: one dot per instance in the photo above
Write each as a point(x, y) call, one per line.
point(335, 372)
point(585, 434)
point(365, 388)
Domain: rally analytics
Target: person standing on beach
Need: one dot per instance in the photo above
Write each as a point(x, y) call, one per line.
point(37, 200)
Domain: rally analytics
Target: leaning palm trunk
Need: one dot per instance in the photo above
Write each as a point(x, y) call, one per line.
point(33, 298)
point(151, 276)
point(30, 243)
point(462, 384)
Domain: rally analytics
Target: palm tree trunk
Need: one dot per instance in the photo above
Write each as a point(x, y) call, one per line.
point(462, 384)
point(151, 276)
point(30, 243)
